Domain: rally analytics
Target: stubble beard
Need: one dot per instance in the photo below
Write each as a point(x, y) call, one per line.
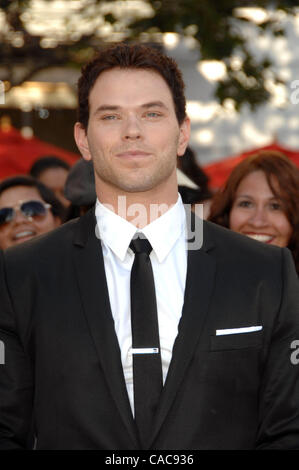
point(135, 179)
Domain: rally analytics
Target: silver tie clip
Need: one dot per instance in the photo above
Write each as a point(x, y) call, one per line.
point(144, 350)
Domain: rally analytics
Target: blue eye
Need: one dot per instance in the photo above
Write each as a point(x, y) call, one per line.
point(152, 114)
point(111, 117)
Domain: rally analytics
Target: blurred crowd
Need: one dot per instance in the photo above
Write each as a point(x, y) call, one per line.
point(260, 198)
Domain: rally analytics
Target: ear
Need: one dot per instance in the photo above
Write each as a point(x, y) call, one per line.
point(184, 136)
point(80, 136)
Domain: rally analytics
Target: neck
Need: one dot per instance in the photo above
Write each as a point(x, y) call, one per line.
point(139, 208)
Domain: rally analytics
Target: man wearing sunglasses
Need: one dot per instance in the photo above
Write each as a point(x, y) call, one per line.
point(116, 342)
point(27, 209)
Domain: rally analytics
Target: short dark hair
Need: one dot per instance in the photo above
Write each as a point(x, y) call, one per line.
point(131, 56)
point(46, 193)
point(46, 162)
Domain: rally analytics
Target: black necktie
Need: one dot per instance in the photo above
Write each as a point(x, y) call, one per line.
point(147, 367)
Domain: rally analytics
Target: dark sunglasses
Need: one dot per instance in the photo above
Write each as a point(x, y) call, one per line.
point(30, 209)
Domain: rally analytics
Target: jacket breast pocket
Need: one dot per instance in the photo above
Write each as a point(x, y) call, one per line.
point(236, 341)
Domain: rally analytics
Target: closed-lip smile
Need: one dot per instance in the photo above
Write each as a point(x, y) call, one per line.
point(132, 153)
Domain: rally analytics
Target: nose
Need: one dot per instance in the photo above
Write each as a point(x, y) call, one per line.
point(259, 217)
point(20, 217)
point(132, 128)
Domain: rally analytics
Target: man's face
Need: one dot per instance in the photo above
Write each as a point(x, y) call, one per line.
point(133, 135)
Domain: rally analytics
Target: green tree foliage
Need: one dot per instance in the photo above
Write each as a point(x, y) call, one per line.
point(216, 28)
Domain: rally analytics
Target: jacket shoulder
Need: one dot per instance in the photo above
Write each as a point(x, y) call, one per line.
point(235, 246)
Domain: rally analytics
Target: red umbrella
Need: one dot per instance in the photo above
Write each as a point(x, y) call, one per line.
point(219, 171)
point(18, 153)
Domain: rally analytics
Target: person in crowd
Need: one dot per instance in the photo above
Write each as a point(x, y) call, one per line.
point(261, 200)
point(189, 166)
point(80, 189)
point(198, 192)
point(27, 208)
point(52, 171)
point(149, 332)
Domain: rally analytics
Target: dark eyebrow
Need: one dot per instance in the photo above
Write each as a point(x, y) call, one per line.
point(110, 107)
point(154, 104)
point(252, 197)
point(244, 195)
point(106, 107)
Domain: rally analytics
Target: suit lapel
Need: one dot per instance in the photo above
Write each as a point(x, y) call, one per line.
point(95, 299)
point(201, 269)
point(90, 269)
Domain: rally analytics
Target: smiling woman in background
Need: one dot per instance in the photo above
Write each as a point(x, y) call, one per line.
point(261, 200)
point(27, 209)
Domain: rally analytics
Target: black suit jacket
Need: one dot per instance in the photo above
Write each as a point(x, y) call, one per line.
point(62, 360)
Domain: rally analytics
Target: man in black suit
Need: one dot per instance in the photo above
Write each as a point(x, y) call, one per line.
point(227, 306)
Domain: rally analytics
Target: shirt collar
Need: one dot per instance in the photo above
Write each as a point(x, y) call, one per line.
point(162, 233)
point(115, 231)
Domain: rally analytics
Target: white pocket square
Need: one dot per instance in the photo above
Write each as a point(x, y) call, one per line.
point(236, 331)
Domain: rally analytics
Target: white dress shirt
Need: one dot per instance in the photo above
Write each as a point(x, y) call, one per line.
point(167, 235)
